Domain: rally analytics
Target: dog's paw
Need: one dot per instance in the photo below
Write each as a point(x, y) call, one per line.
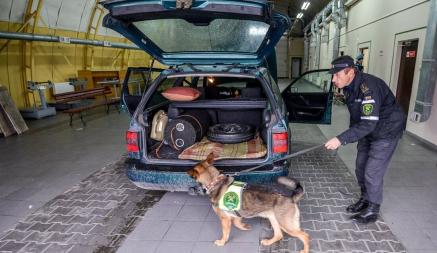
point(266, 242)
point(245, 226)
point(219, 242)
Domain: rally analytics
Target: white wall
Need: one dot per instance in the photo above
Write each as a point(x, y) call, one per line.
point(366, 23)
point(296, 49)
point(282, 57)
point(426, 130)
point(381, 25)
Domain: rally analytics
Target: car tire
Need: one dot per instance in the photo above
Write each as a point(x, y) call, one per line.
point(229, 133)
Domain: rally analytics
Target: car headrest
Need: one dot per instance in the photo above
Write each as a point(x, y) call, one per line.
point(254, 92)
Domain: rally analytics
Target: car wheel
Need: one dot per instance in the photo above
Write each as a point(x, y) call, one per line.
point(230, 133)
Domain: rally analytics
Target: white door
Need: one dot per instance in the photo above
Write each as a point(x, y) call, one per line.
point(282, 58)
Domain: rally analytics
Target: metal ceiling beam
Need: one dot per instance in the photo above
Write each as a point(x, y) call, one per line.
point(92, 29)
point(50, 38)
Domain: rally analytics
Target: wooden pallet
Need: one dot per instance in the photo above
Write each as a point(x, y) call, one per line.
point(11, 121)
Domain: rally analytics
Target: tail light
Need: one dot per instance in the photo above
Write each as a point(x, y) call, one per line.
point(132, 144)
point(280, 142)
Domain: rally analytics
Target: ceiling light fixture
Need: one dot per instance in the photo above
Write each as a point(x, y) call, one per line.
point(300, 15)
point(305, 5)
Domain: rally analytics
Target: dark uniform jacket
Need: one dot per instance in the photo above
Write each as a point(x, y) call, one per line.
point(373, 110)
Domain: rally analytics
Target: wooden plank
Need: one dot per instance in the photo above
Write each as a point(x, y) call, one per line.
point(6, 128)
point(78, 95)
point(11, 112)
point(82, 96)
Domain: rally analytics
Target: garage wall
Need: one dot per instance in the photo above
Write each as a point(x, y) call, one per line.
point(296, 49)
point(281, 57)
point(56, 61)
point(380, 25)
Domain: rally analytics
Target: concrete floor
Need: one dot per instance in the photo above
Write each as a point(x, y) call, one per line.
point(52, 157)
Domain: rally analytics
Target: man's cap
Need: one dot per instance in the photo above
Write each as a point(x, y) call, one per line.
point(341, 63)
point(360, 56)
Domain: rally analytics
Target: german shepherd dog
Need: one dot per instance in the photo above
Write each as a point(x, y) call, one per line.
point(276, 203)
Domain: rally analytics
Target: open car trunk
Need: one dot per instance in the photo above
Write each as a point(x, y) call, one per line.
point(185, 127)
point(186, 133)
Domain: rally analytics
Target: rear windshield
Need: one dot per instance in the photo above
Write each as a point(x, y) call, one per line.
point(219, 35)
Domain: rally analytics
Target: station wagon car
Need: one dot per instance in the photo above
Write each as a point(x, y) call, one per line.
point(220, 49)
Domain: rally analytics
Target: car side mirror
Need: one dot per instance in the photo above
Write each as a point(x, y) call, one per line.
point(293, 89)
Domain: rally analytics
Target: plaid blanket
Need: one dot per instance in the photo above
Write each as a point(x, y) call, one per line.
point(254, 148)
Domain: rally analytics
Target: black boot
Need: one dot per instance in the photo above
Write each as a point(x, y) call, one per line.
point(370, 214)
point(357, 207)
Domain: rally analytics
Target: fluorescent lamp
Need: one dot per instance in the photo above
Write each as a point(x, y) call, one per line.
point(300, 15)
point(305, 5)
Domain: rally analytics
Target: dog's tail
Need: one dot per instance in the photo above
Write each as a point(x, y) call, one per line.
point(294, 185)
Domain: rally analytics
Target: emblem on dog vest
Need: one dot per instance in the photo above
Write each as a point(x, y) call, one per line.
point(231, 199)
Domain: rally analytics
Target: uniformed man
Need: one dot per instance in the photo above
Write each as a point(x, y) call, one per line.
point(376, 122)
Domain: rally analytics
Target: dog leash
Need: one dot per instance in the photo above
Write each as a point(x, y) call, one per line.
point(280, 159)
point(287, 157)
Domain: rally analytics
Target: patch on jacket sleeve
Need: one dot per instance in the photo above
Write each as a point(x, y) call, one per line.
point(365, 89)
point(231, 199)
point(367, 109)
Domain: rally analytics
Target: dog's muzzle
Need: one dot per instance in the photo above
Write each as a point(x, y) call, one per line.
point(197, 190)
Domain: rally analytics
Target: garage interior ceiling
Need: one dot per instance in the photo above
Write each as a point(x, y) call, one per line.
point(293, 7)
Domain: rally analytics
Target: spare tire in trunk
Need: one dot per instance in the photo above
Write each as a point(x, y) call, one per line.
point(230, 133)
point(187, 129)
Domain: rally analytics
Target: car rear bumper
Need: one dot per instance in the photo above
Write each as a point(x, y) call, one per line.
point(180, 181)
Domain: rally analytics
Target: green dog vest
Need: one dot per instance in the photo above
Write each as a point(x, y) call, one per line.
point(231, 199)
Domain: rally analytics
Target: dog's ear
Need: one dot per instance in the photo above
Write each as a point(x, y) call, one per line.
point(210, 158)
point(193, 173)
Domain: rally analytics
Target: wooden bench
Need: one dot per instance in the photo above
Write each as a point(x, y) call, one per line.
point(85, 95)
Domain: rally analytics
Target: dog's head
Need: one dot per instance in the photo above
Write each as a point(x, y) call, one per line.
point(204, 172)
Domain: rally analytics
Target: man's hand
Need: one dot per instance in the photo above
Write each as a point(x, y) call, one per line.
point(333, 143)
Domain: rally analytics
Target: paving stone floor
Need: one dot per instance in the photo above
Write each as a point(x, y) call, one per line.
point(93, 216)
point(188, 224)
point(106, 213)
point(329, 188)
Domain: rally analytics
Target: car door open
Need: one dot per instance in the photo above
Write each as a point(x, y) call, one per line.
point(309, 98)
